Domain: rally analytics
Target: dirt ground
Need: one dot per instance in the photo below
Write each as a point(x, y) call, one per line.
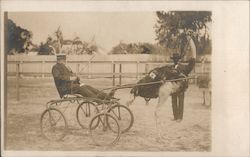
point(23, 130)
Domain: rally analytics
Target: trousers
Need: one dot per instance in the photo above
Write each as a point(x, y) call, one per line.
point(88, 91)
point(178, 105)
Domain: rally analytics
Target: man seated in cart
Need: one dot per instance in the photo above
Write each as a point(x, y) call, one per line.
point(66, 85)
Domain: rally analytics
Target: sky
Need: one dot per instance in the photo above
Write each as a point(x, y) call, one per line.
point(107, 28)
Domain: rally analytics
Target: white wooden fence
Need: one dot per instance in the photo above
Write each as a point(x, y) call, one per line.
point(99, 66)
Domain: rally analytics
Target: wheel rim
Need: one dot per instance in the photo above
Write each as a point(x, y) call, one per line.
point(102, 134)
point(85, 112)
point(123, 115)
point(53, 124)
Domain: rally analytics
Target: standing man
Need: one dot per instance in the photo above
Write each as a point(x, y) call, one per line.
point(189, 50)
point(65, 85)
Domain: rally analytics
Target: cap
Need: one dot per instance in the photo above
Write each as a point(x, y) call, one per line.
point(60, 56)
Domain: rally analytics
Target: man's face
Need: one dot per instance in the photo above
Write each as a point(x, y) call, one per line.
point(188, 37)
point(175, 60)
point(61, 61)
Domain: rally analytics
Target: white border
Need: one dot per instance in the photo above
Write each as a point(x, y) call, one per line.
point(2, 80)
point(75, 6)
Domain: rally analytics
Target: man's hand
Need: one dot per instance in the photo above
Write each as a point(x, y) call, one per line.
point(73, 78)
point(77, 79)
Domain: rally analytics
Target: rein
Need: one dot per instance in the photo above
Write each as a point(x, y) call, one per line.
point(150, 83)
point(86, 65)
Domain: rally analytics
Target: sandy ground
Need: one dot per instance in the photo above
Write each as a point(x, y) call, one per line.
point(23, 130)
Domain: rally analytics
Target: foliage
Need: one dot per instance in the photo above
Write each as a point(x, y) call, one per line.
point(137, 48)
point(18, 38)
point(46, 49)
point(176, 24)
point(69, 47)
point(78, 47)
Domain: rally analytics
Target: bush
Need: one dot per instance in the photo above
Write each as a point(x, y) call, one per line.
point(137, 48)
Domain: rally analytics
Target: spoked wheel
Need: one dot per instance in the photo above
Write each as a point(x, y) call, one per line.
point(124, 116)
point(85, 112)
point(53, 124)
point(104, 129)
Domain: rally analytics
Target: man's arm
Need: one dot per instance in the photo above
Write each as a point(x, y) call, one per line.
point(73, 76)
point(70, 71)
point(58, 75)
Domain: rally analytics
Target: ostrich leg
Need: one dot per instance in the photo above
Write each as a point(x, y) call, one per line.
point(132, 99)
point(164, 94)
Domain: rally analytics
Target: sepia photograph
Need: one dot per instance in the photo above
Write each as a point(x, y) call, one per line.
point(111, 81)
point(128, 81)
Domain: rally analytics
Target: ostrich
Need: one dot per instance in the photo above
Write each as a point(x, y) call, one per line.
point(164, 90)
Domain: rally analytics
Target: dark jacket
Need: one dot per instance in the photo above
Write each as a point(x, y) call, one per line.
point(62, 80)
point(185, 69)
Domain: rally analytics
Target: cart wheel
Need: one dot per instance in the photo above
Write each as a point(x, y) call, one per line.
point(124, 116)
point(53, 124)
point(85, 112)
point(102, 128)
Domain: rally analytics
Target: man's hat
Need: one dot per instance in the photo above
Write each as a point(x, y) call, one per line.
point(175, 56)
point(60, 56)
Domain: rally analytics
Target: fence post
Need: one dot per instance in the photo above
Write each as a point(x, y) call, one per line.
point(17, 81)
point(194, 71)
point(146, 68)
point(120, 76)
point(113, 73)
point(77, 68)
point(43, 64)
point(89, 75)
point(137, 70)
point(20, 68)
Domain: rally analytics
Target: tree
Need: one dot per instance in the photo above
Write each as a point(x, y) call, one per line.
point(18, 38)
point(46, 49)
point(175, 24)
point(137, 48)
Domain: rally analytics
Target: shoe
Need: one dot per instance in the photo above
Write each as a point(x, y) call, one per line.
point(173, 119)
point(178, 120)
